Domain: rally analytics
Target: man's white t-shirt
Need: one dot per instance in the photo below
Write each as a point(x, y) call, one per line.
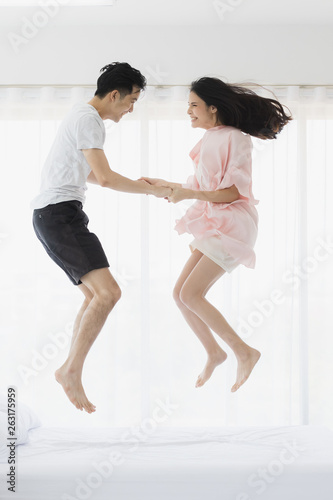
point(65, 171)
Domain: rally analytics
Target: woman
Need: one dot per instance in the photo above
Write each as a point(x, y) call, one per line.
point(224, 219)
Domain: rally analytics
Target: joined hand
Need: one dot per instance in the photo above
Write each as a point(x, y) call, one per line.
point(168, 190)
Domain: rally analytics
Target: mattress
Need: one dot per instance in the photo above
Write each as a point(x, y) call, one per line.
point(221, 463)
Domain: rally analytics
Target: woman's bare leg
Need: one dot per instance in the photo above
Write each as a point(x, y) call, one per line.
point(192, 295)
point(215, 354)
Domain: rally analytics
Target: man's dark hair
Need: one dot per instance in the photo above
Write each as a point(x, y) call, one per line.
point(119, 76)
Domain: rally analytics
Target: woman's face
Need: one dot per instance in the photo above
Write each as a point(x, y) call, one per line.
point(202, 116)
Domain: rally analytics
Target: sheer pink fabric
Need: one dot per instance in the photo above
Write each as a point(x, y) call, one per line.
point(223, 158)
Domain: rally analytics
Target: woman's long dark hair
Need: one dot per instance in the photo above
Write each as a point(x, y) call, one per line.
point(242, 108)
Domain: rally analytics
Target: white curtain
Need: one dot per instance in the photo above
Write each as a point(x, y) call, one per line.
point(146, 357)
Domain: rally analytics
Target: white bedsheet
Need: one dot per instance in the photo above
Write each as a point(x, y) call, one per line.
point(225, 463)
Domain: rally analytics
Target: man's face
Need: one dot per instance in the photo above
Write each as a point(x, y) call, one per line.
point(119, 105)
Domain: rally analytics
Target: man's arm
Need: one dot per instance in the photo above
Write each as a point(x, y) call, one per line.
point(103, 175)
point(92, 178)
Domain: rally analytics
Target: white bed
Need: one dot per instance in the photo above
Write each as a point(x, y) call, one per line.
point(225, 463)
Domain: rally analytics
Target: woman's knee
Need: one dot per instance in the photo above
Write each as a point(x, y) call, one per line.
point(176, 296)
point(183, 297)
point(187, 297)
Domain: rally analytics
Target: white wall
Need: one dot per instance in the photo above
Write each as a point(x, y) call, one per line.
point(263, 54)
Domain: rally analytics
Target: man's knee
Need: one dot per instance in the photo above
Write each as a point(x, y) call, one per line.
point(108, 297)
point(117, 294)
point(88, 296)
point(87, 301)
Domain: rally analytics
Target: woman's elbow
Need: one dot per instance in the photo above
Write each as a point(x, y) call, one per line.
point(235, 193)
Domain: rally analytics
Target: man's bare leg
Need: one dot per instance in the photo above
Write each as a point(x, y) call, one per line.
point(192, 294)
point(215, 354)
point(76, 327)
point(88, 297)
point(106, 294)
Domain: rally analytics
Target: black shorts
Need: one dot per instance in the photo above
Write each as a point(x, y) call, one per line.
point(63, 232)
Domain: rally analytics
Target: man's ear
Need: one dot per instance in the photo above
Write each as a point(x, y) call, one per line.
point(113, 95)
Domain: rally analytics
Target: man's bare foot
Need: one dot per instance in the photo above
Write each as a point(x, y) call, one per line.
point(212, 362)
point(246, 363)
point(72, 385)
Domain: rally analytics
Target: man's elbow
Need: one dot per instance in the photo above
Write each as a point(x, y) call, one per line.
point(103, 182)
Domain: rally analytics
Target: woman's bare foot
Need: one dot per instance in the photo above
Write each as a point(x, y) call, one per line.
point(246, 363)
point(72, 385)
point(212, 362)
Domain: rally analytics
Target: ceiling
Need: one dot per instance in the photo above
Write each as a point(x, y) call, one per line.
point(182, 12)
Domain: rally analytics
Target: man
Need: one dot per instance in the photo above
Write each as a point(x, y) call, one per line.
point(60, 224)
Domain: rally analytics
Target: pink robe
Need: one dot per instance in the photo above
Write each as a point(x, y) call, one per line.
point(223, 230)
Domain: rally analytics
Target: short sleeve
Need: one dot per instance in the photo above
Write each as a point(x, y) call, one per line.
point(238, 170)
point(90, 133)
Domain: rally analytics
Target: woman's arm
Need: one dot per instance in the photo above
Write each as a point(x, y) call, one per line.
point(226, 195)
point(160, 182)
